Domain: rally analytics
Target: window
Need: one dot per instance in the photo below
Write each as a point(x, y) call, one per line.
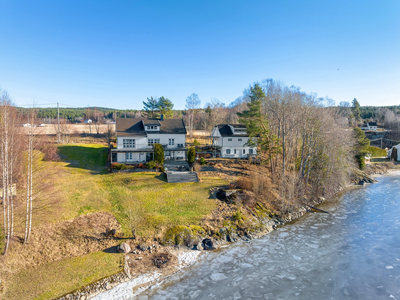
point(228, 151)
point(234, 151)
point(151, 142)
point(128, 156)
point(244, 151)
point(250, 151)
point(129, 143)
point(229, 140)
point(180, 145)
point(171, 142)
point(239, 140)
point(151, 127)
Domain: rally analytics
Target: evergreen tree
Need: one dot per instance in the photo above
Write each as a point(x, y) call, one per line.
point(361, 147)
point(191, 155)
point(150, 107)
point(165, 106)
point(355, 109)
point(159, 154)
point(257, 124)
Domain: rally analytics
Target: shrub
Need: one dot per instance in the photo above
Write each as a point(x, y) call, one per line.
point(191, 155)
point(151, 164)
point(183, 235)
point(244, 183)
point(118, 166)
point(202, 161)
point(237, 216)
point(159, 154)
point(162, 169)
point(196, 143)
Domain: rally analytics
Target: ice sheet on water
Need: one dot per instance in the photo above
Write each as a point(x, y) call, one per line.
point(218, 276)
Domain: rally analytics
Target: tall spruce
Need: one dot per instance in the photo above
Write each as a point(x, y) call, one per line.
point(257, 125)
point(150, 107)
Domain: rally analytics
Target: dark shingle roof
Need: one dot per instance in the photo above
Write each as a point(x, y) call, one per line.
point(135, 127)
point(372, 124)
point(225, 129)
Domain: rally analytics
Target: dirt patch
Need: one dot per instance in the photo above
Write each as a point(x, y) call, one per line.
point(71, 238)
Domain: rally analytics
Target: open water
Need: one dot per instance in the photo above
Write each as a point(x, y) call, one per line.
point(353, 253)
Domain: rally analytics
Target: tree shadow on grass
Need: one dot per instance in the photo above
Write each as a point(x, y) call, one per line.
point(162, 177)
point(89, 158)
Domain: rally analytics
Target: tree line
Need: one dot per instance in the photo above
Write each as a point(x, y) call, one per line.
point(304, 147)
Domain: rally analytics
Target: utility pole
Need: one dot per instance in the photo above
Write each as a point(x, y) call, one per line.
point(58, 122)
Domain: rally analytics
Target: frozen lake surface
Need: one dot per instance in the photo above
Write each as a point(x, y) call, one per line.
point(354, 253)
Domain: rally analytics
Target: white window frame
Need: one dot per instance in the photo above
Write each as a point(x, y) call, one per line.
point(228, 151)
point(229, 140)
point(251, 151)
point(171, 142)
point(244, 151)
point(129, 143)
point(239, 140)
point(129, 156)
point(234, 151)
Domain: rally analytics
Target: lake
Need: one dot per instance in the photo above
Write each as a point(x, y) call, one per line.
point(352, 253)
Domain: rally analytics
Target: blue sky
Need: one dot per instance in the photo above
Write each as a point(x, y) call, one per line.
point(117, 53)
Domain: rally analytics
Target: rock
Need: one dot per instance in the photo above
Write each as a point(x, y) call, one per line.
point(230, 239)
point(124, 248)
point(143, 247)
point(197, 246)
point(208, 244)
point(138, 258)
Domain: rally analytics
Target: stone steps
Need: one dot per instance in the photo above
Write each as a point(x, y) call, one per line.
point(175, 177)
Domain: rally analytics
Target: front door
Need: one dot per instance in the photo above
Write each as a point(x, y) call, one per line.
point(149, 156)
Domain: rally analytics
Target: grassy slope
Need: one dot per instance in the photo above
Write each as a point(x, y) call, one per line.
point(85, 187)
point(57, 278)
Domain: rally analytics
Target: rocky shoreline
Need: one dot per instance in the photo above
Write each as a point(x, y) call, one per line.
point(123, 285)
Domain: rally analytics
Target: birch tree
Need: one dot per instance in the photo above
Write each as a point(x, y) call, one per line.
point(192, 104)
point(9, 147)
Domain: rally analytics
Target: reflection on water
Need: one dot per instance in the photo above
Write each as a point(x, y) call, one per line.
point(352, 254)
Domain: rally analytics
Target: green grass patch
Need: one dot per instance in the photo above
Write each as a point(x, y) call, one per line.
point(88, 156)
point(376, 151)
point(57, 278)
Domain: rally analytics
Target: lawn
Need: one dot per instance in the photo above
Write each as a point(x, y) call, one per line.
point(144, 198)
point(57, 278)
point(81, 185)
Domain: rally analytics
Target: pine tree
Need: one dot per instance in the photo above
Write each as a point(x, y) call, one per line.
point(257, 124)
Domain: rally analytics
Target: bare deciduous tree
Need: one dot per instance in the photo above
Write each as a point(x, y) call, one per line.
point(192, 104)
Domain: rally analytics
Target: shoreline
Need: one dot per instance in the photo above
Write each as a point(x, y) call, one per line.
point(128, 287)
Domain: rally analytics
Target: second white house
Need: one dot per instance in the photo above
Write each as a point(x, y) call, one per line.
point(231, 141)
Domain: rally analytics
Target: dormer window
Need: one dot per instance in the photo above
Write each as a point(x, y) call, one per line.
point(240, 130)
point(152, 128)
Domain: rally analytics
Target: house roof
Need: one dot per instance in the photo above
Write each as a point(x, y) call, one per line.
point(372, 124)
point(135, 126)
point(226, 130)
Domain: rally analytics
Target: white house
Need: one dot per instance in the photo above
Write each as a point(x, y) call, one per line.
point(231, 140)
point(88, 121)
point(372, 126)
point(136, 137)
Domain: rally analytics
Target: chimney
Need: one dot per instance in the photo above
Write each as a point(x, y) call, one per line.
point(162, 117)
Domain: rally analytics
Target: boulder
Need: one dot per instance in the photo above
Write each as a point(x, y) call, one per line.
point(124, 248)
point(208, 244)
point(143, 247)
